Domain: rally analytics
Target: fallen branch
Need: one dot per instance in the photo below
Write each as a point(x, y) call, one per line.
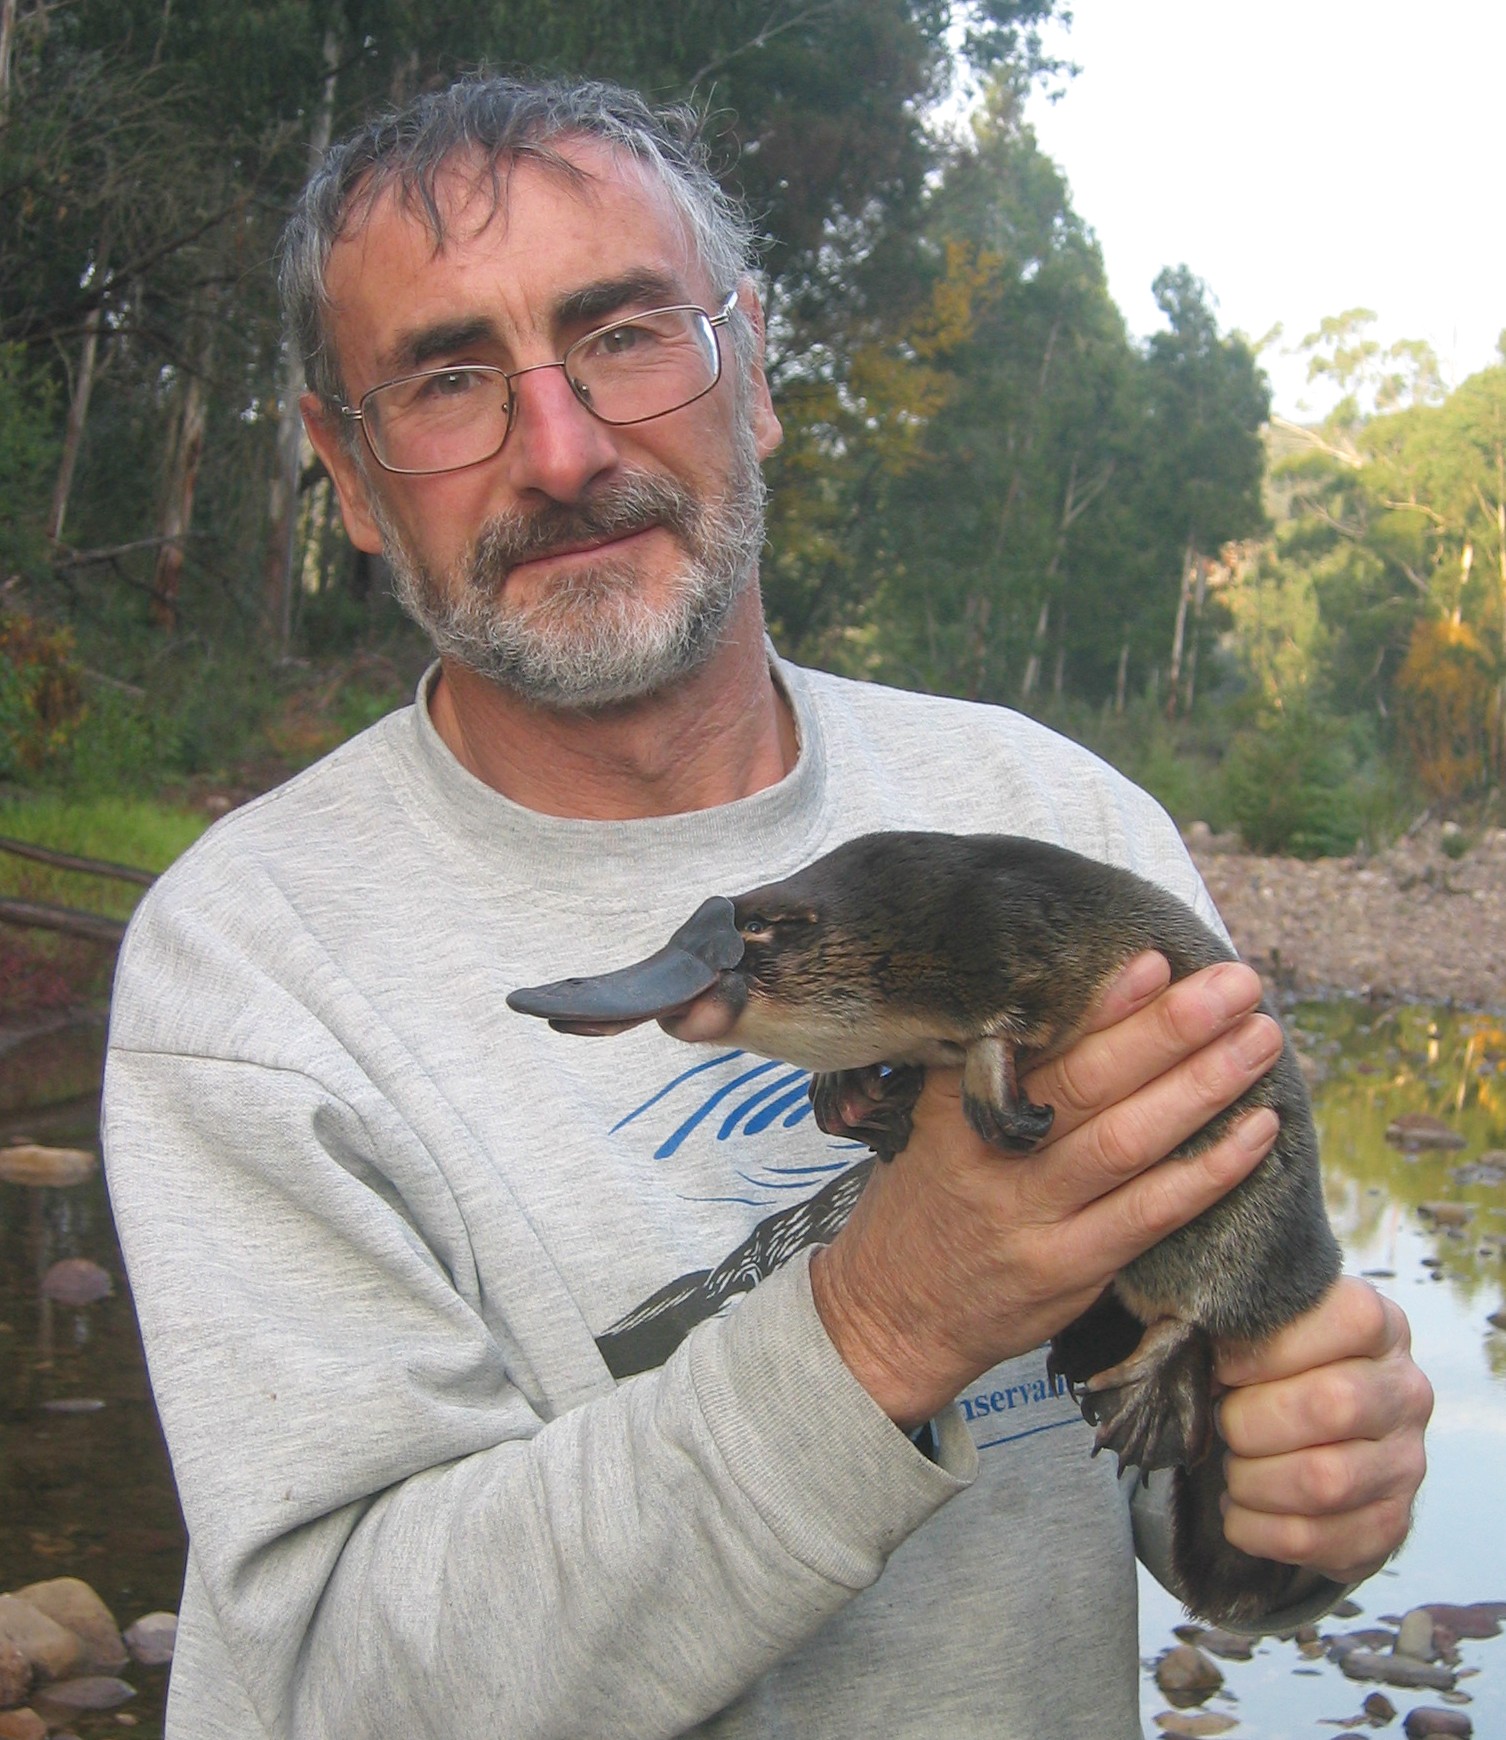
point(36, 915)
point(69, 861)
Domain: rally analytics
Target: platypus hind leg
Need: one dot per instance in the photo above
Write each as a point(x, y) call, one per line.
point(1154, 1409)
point(872, 1105)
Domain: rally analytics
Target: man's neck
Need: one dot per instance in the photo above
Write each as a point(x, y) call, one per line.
point(721, 734)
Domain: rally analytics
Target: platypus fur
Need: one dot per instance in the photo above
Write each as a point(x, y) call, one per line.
point(901, 950)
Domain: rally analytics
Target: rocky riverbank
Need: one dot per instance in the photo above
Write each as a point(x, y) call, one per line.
point(1423, 921)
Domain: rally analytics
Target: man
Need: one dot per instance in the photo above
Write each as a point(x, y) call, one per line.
point(505, 1393)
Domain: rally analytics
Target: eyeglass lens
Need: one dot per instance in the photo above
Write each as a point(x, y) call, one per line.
point(625, 373)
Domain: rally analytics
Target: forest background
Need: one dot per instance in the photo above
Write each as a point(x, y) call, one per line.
point(987, 487)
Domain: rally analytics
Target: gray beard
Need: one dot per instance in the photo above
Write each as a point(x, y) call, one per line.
point(592, 640)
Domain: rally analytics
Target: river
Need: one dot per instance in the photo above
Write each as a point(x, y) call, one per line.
point(85, 1488)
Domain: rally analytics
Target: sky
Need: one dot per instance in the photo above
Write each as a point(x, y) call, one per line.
point(1303, 157)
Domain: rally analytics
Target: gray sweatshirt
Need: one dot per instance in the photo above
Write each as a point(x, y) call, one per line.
point(486, 1356)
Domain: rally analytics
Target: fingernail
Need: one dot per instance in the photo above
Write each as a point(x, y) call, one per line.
point(1233, 991)
point(1142, 978)
point(1257, 1130)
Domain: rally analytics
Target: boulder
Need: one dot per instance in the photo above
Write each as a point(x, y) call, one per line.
point(72, 1603)
point(53, 1651)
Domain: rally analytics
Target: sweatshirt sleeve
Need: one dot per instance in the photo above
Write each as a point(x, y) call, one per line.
point(392, 1539)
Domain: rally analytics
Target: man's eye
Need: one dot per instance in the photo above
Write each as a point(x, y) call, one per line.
point(452, 384)
point(620, 341)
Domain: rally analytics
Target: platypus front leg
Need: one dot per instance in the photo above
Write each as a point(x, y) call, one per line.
point(991, 1097)
point(872, 1105)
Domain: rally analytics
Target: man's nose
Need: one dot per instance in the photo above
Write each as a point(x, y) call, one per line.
point(556, 447)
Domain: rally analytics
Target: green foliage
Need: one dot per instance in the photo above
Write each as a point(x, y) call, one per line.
point(28, 453)
point(41, 697)
point(1289, 785)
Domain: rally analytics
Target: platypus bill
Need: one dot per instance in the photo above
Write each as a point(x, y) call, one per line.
point(902, 950)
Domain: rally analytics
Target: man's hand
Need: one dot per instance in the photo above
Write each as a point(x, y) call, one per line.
point(1324, 1424)
point(957, 1257)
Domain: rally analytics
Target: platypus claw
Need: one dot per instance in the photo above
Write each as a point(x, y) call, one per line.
point(872, 1105)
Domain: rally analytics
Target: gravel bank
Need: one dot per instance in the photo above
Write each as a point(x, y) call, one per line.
point(1411, 924)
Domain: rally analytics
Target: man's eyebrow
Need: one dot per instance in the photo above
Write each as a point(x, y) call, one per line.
point(416, 348)
point(422, 345)
point(600, 301)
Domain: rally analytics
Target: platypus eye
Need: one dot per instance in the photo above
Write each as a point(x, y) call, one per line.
point(756, 928)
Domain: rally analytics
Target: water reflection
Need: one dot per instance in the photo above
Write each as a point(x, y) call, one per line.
point(85, 1488)
point(1370, 1067)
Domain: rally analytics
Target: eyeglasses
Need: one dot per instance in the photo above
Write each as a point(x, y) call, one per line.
point(629, 372)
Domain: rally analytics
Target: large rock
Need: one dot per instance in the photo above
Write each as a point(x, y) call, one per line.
point(72, 1603)
point(15, 1675)
point(53, 1651)
point(22, 1725)
point(1426, 1721)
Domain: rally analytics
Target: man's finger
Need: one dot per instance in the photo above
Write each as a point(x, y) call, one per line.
point(1352, 1321)
point(1110, 1063)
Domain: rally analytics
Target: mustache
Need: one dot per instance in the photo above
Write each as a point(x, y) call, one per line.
point(616, 509)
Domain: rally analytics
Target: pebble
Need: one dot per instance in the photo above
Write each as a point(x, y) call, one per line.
point(73, 1697)
point(1185, 1674)
point(22, 1725)
point(150, 1640)
point(1447, 1214)
point(31, 1163)
point(1478, 1619)
point(1379, 1708)
point(1395, 1670)
point(1414, 1130)
point(76, 1281)
point(1181, 1726)
point(1424, 1721)
point(1414, 1637)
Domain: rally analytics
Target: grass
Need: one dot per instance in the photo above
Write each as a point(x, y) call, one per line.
point(138, 831)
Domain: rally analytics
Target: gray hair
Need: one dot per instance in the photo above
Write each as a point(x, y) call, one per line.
point(502, 121)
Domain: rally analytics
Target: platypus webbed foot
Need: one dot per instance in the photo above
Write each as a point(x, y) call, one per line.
point(1155, 1408)
point(872, 1105)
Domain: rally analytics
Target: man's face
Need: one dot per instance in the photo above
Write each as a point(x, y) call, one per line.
point(584, 564)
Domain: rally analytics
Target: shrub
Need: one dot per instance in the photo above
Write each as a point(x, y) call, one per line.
point(41, 696)
point(1290, 785)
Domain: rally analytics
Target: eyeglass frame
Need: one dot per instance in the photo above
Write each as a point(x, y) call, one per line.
point(357, 413)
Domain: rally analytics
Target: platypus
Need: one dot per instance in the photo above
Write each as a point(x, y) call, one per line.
point(901, 950)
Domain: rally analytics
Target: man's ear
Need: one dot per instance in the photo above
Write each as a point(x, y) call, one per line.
point(767, 432)
point(350, 483)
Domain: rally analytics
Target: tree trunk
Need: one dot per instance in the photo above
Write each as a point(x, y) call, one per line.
point(277, 585)
point(182, 479)
point(1199, 598)
point(1033, 663)
point(7, 47)
point(78, 411)
point(1179, 635)
point(1121, 676)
